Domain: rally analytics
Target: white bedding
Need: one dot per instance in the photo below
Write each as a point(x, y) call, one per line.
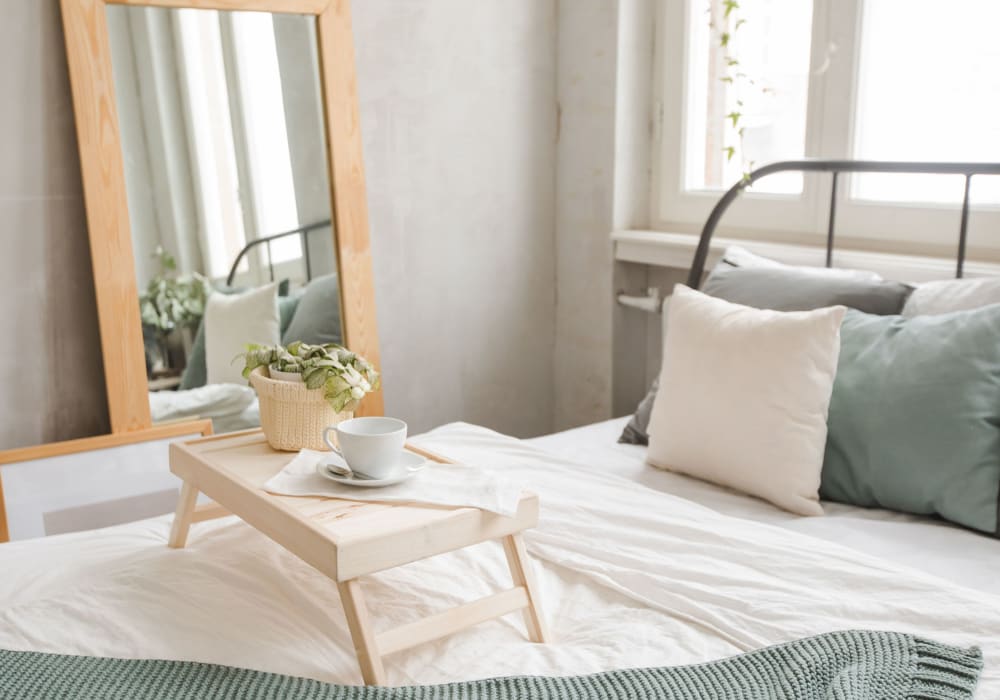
point(630, 576)
point(934, 546)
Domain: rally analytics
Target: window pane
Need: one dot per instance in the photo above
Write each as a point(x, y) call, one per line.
point(929, 89)
point(266, 133)
point(210, 124)
point(762, 74)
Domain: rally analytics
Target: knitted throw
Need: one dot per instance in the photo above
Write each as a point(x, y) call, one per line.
point(836, 666)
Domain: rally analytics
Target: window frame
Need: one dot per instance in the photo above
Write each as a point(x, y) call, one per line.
point(930, 229)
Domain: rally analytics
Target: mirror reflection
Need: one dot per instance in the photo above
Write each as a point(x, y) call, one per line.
point(226, 174)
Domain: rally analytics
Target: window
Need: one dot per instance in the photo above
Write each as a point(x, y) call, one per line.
point(763, 92)
point(239, 139)
point(209, 123)
point(270, 162)
point(929, 102)
point(746, 82)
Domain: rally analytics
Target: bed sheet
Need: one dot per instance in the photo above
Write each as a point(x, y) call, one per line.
point(928, 544)
point(629, 576)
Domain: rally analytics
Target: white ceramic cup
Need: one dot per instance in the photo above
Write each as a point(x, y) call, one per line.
point(371, 446)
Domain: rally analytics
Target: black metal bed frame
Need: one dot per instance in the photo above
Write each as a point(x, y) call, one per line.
point(837, 167)
point(302, 231)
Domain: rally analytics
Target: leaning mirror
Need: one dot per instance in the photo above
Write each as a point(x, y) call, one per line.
point(225, 159)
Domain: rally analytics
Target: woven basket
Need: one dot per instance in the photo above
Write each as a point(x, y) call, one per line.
point(292, 416)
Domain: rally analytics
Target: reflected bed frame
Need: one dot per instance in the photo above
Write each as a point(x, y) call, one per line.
point(302, 232)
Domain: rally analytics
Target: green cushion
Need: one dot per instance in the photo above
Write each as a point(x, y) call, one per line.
point(914, 419)
point(196, 373)
point(317, 318)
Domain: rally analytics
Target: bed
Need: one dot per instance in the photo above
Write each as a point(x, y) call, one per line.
point(637, 566)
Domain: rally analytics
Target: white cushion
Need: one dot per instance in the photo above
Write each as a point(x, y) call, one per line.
point(737, 256)
point(945, 296)
point(744, 395)
point(233, 320)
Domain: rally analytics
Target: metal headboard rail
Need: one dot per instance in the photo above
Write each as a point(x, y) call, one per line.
point(837, 167)
point(302, 231)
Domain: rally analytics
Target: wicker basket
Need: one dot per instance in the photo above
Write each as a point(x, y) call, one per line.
point(292, 416)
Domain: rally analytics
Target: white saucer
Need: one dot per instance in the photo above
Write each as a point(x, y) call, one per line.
point(408, 465)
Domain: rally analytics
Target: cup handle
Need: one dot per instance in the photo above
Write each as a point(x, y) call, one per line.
point(344, 470)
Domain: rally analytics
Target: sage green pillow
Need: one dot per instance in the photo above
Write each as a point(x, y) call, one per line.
point(317, 318)
point(914, 421)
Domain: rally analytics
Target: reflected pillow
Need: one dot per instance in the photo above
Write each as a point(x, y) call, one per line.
point(317, 317)
point(915, 416)
point(196, 373)
point(233, 321)
point(744, 395)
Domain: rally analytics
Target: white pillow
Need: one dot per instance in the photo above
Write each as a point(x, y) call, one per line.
point(744, 395)
point(945, 296)
point(233, 320)
point(737, 256)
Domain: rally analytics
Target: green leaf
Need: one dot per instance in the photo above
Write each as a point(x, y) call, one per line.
point(730, 151)
point(734, 116)
point(724, 39)
point(730, 5)
point(314, 378)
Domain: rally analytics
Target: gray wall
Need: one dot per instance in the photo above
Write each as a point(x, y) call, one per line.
point(459, 117)
point(585, 175)
point(51, 380)
point(458, 114)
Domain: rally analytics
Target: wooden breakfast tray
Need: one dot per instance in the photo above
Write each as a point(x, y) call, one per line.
point(348, 539)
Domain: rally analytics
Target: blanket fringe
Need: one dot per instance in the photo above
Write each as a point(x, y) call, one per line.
point(944, 672)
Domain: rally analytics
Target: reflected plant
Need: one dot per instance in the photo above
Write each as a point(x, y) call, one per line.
point(344, 376)
point(172, 301)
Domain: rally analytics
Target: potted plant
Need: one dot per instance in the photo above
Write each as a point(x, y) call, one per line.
point(304, 388)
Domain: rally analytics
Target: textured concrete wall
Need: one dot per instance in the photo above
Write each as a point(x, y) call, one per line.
point(458, 114)
point(51, 379)
point(587, 45)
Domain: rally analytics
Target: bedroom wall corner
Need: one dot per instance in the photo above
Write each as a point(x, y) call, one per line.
point(633, 331)
point(52, 374)
point(587, 45)
point(606, 64)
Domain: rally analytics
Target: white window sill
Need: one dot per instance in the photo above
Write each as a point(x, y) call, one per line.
point(676, 250)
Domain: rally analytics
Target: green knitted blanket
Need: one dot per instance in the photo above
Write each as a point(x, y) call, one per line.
point(836, 666)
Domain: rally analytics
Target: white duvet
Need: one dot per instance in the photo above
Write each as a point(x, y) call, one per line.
point(630, 577)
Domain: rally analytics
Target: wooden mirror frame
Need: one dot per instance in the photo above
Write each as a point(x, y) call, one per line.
point(88, 50)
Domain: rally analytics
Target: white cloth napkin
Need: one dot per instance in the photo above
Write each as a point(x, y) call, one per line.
point(437, 484)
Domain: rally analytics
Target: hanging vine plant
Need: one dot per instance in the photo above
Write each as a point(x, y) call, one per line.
point(736, 78)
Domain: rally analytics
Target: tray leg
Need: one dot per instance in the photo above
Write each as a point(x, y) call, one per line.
point(520, 571)
point(362, 632)
point(183, 515)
